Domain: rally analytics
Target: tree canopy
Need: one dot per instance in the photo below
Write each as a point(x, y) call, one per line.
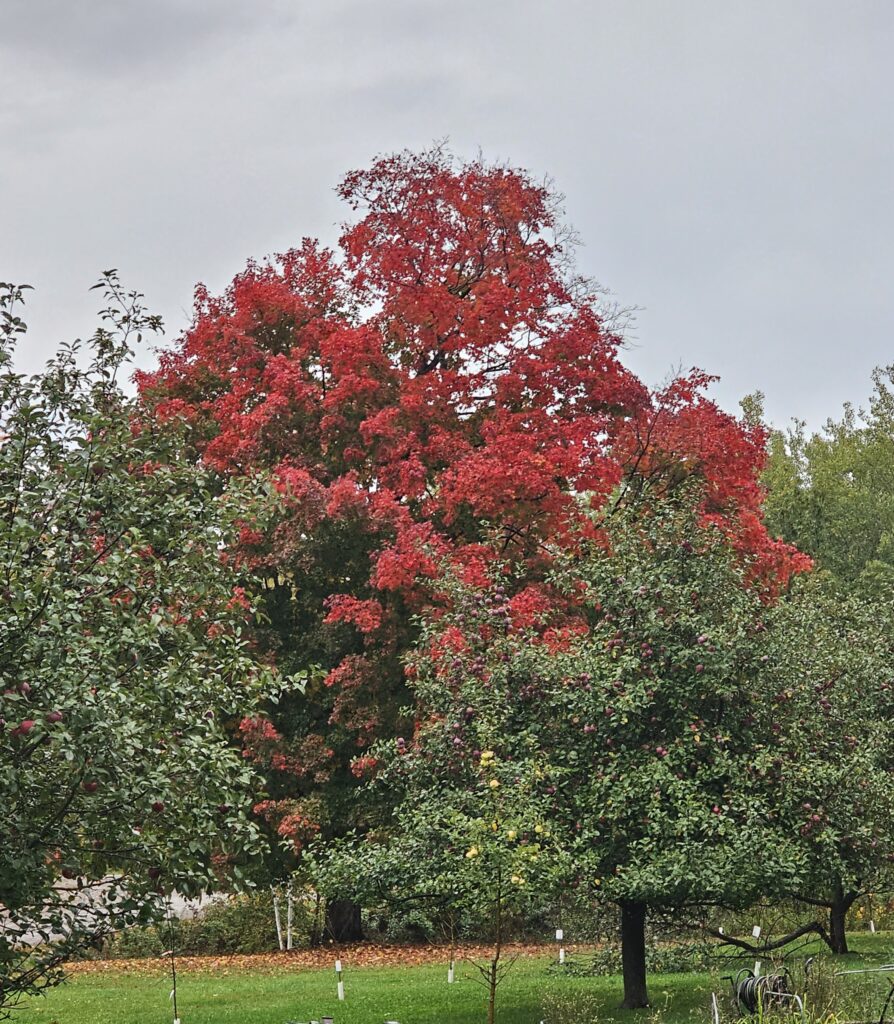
point(444, 385)
point(124, 647)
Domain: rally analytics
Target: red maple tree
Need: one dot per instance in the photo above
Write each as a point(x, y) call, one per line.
point(443, 387)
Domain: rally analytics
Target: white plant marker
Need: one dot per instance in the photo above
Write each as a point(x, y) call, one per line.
point(757, 968)
point(341, 984)
point(756, 931)
point(560, 935)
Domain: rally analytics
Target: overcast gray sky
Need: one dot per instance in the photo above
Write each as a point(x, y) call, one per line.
point(728, 165)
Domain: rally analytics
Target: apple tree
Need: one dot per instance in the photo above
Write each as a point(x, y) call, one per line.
point(123, 652)
point(633, 700)
point(831, 492)
point(470, 837)
point(830, 662)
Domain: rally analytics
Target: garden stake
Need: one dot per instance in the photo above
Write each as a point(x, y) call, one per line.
point(452, 965)
point(173, 965)
point(560, 934)
point(341, 984)
point(756, 932)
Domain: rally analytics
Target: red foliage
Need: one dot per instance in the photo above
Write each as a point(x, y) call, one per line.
point(290, 819)
point(446, 369)
point(365, 615)
point(680, 434)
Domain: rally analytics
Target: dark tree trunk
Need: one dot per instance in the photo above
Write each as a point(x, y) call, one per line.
point(343, 923)
point(841, 903)
point(633, 954)
point(316, 928)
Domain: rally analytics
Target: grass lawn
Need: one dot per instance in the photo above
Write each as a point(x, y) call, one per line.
point(416, 995)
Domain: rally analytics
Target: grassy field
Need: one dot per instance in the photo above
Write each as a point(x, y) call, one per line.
point(417, 995)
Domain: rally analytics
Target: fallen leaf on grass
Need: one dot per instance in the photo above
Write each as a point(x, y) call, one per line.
point(357, 955)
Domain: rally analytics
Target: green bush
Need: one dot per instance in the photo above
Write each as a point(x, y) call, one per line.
point(136, 943)
point(237, 924)
point(240, 924)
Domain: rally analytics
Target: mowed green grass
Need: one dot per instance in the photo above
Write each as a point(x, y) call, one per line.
point(412, 995)
point(415, 995)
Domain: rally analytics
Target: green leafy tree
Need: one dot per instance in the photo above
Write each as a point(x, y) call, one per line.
point(469, 841)
point(657, 718)
point(627, 708)
point(122, 653)
point(832, 492)
point(831, 664)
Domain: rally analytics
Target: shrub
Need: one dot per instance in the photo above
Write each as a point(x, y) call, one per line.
point(236, 924)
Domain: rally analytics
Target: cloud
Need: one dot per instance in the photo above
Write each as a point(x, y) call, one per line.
point(728, 166)
point(117, 38)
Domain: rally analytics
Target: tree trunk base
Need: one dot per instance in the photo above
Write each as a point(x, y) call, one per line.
point(633, 955)
point(343, 921)
point(841, 904)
